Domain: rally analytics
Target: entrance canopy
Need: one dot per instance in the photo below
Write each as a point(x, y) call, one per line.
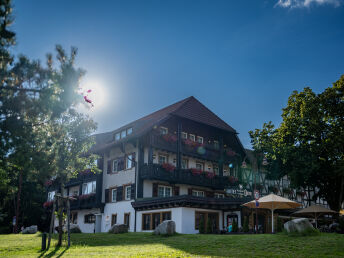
point(273, 202)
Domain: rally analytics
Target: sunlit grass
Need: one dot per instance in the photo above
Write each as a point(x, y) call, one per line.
point(145, 244)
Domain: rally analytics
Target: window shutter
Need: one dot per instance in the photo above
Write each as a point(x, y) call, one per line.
point(190, 191)
point(107, 195)
point(109, 166)
point(132, 197)
point(100, 164)
point(121, 164)
point(134, 159)
point(155, 190)
point(120, 195)
point(176, 190)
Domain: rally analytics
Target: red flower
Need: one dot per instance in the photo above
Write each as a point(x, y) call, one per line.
point(169, 137)
point(168, 167)
point(48, 183)
point(233, 179)
point(231, 153)
point(210, 175)
point(196, 172)
point(47, 204)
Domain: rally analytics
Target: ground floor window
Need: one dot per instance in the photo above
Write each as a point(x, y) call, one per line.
point(90, 218)
point(211, 218)
point(151, 220)
point(127, 219)
point(113, 219)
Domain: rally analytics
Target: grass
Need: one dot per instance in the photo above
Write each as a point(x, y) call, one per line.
point(148, 245)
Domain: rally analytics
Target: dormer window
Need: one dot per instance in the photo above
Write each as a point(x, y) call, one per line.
point(123, 134)
point(200, 139)
point(129, 131)
point(117, 136)
point(163, 130)
point(192, 137)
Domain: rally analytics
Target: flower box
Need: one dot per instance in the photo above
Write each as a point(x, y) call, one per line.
point(170, 137)
point(233, 180)
point(168, 167)
point(47, 204)
point(210, 175)
point(196, 172)
point(86, 196)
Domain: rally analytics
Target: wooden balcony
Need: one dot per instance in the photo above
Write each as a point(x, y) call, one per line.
point(182, 176)
point(85, 203)
point(202, 151)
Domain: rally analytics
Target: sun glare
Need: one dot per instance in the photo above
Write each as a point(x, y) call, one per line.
point(94, 93)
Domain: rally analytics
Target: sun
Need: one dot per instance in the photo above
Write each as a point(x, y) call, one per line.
point(94, 92)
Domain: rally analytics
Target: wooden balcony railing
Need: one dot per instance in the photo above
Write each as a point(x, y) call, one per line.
point(182, 176)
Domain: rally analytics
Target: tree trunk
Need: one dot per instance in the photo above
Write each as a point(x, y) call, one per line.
point(60, 203)
point(16, 227)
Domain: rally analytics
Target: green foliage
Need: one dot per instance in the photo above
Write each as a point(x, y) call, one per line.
point(245, 226)
point(209, 226)
point(308, 146)
point(201, 226)
point(235, 226)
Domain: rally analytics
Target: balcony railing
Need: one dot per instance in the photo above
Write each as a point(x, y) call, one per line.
point(183, 176)
point(85, 203)
point(206, 151)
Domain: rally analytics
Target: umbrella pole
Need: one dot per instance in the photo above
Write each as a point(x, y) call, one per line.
point(272, 221)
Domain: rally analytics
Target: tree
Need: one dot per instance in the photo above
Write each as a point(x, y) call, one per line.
point(42, 134)
point(209, 226)
point(308, 146)
point(201, 225)
point(235, 226)
point(245, 226)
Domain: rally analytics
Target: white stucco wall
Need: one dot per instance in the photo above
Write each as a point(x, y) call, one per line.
point(118, 208)
point(182, 216)
point(86, 227)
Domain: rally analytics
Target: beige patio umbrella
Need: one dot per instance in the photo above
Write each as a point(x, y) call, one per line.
point(273, 202)
point(314, 211)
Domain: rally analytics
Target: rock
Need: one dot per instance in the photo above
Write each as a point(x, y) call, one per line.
point(118, 228)
point(167, 227)
point(298, 225)
point(30, 230)
point(74, 228)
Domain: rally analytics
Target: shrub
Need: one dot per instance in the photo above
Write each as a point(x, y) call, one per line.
point(235, 226)
point(201, 226)
point(245, 227)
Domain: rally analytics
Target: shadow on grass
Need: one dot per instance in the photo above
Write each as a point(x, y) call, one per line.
point(51, 253)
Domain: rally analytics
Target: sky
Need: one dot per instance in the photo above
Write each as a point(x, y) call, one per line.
point(240, 58)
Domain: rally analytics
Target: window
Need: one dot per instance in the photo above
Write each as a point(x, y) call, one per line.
point(129, 131)
point(216, 170)
point(164, 191)
point(213, 217)
point(114, 195)
point(74, 193)
point(127, 219)
point(199, 166)
point(162, 159)
point(89, 218)
point(185, 163)
point(129, 161)
point(113, 219)
point(200, 139)
point(123, 134)
point(151, 220)
point(117, 136)
point(219, 195)
point(88, 188)
point(192, 137)
point(115, 167)
point(51, 196)
point(216, 145)
point(184, 135)
point(128, 192)
point(163, 130)
point(198, 193)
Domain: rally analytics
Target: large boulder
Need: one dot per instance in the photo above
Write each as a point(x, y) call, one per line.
point(74, 228)
point(118, 228)
point(167, 227)
point(298, 225)
point(30, 230)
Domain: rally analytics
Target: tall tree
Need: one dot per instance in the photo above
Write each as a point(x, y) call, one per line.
point(308, 146)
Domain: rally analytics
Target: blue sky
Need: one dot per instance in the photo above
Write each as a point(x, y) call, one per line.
point(242, 59)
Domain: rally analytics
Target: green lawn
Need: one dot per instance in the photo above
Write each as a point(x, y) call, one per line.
point(145, 244)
